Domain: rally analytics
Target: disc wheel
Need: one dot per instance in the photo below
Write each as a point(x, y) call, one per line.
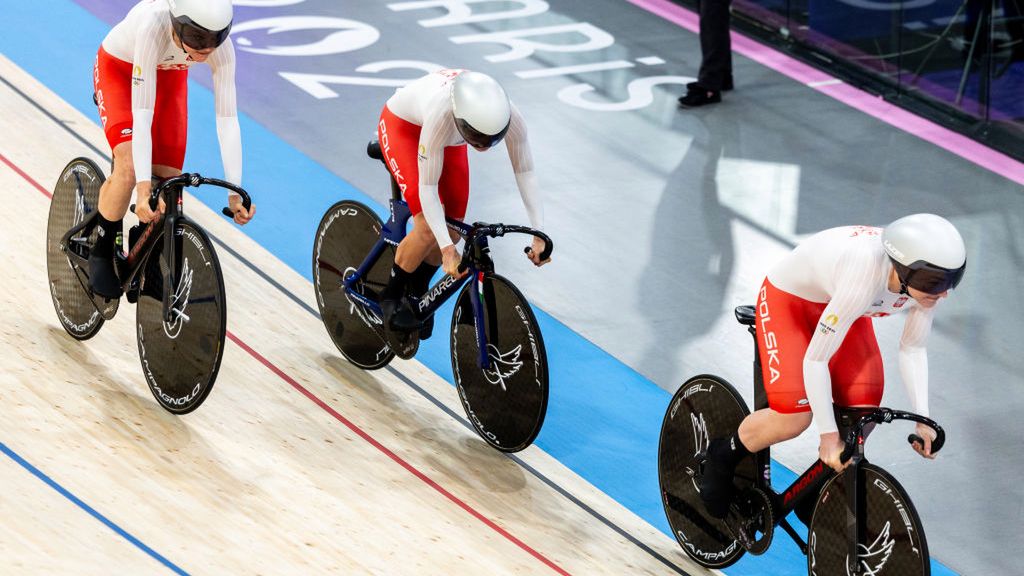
point(346, 235)
point(75, 198)
point(703, 408)
point(507, 402)
point(893, 540)
point(181, 357)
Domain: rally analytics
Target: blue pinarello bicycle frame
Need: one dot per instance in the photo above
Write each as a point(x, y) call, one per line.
point(476, 260)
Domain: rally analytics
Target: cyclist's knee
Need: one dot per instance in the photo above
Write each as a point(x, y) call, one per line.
point(420, 229)
point(123, 173)
point(797, 422)
point(123, 179)
point(161, 171)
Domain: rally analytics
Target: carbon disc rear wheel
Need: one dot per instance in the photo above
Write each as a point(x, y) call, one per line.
point(75, 197)
point(704, 407)
point(346, 235)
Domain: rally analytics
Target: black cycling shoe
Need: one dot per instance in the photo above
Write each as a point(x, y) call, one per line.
point(399, 316)
point(428, 328)
point(103, 277)
point(715, 485)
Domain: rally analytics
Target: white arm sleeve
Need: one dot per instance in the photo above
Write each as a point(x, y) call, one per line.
point(914, 357)
point(522, 164)
point(858, 279)
point(147, 51)
point(229, 134)
point(438, 130)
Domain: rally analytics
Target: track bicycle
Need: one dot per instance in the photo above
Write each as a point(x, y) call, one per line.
point(860, 522)
point(170, 272)
point(497, 352)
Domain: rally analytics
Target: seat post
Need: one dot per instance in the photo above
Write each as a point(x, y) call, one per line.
point(396, 192)
point(760, 395)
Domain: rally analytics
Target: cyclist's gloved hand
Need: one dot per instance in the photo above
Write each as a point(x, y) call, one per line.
point(450, 260)
point(242, 216)
point(926, 434)
point(830, 449)
point(143, 190)
point(535, 251)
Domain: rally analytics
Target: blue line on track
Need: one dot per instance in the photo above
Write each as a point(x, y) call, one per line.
point(92, 511)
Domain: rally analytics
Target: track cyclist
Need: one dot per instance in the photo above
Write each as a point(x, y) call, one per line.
point(817, 343)
point(141, 86)
point(423, 132)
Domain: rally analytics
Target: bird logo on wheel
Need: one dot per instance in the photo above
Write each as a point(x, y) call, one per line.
point(503, 366)
point(179, 301)
point(873, 558)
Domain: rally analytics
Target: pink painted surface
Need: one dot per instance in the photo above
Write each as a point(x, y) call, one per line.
point(874, 106)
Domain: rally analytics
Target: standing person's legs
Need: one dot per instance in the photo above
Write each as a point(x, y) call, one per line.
point(715, 45)
point(715, 73)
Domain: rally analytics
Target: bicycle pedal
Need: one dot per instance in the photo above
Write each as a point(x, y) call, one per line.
point(403, 344)
point(749, 515)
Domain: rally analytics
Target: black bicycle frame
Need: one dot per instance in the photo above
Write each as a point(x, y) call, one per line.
point(854, 424)
point(476, 259)
point(138, 255)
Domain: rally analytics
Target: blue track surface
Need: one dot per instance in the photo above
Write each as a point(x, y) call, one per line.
point(603, 417)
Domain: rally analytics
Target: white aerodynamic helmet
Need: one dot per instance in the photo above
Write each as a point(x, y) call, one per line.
point(481, 109)
point(927, 252)
point(201, 24)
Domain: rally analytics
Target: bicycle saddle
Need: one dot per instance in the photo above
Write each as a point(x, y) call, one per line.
point(745, 315)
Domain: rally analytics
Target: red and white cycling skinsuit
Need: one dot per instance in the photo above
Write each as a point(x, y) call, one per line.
point(814, 330)
point(426, 155)
point(141, 84)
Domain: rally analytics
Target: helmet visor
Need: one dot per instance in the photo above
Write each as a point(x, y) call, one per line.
point(930, 279)
point(478, 139)
point(197, 37)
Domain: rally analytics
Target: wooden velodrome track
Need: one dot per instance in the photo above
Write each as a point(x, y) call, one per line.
point(297, 462)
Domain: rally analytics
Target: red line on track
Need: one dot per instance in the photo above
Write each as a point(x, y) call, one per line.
point(355, 429)
point(398, 459)
point(27, 178)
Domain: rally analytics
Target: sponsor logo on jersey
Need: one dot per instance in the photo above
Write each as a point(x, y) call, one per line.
point(771, 345)
point(827, 326)
point(126, 132)
point(385, 147)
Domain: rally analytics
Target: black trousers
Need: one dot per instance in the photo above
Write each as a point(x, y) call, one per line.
point(715, 44)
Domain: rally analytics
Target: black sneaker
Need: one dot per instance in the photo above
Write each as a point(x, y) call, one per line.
point(726, 86)
point(399, 316)
point(715, 485)
point(698, 96)
point(103, 277)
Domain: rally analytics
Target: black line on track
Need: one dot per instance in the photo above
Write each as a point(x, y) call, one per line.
point(259, 272)
point(540, 476)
